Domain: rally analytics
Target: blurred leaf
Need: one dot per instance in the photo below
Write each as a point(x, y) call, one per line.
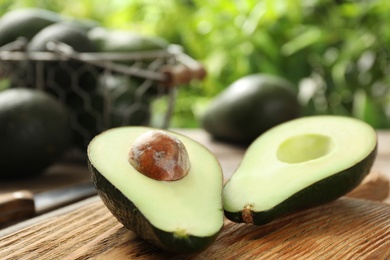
point(308, 37)
point(367, 110)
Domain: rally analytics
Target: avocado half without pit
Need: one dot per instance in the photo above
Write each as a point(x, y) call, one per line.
point(298, 165)
point(165, 187)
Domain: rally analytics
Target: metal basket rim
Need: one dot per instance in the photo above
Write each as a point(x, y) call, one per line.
point(87, 56)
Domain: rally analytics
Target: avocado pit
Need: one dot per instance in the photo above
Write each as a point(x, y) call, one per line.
point(160, 156)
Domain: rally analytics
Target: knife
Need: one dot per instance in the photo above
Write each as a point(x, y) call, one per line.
point(23, 204)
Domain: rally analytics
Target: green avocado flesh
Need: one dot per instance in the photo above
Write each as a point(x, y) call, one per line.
point(179, 216)
point(299, 164)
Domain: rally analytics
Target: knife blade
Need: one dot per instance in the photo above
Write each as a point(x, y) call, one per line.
point(19, 205)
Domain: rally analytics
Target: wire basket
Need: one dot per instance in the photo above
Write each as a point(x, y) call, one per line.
point(101, 90)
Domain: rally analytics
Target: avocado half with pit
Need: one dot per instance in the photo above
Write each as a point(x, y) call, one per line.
point(297, 165)
point(181, 216)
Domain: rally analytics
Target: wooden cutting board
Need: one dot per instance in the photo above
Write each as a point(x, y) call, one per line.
point(345, 229)
point(349, 228)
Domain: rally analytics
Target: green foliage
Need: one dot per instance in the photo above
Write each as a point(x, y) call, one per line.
point(336, 52)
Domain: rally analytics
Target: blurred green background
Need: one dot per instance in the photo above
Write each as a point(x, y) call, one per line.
point(335, 52)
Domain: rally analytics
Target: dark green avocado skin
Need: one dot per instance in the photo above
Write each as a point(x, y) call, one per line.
point(129, 215)
point(34, 132)
point(68, 74)
point(321, 192)
point(249, 107)
point(25, 22)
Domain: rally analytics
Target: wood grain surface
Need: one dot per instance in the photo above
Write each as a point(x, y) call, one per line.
point(345, 229)
point(353, 227)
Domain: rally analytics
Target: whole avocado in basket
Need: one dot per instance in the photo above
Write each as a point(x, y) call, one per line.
point(35, 131)
point(65, 75)
point(28, 21)
point(115, 102)
point(128, 104)
point(130, 42)
point(125, 41)
point(25, 22)
point(250, 106)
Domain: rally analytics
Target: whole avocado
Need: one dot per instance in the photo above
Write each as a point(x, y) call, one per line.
point(25, 22)
point(115, 40)
point(250, 106)
point(115, 102)
point(128, 106)
point(35, 131)
point(131, 42)
point(68, 74)
point(68, 33)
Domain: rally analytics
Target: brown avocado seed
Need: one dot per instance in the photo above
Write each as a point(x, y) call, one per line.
point(160, 156)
